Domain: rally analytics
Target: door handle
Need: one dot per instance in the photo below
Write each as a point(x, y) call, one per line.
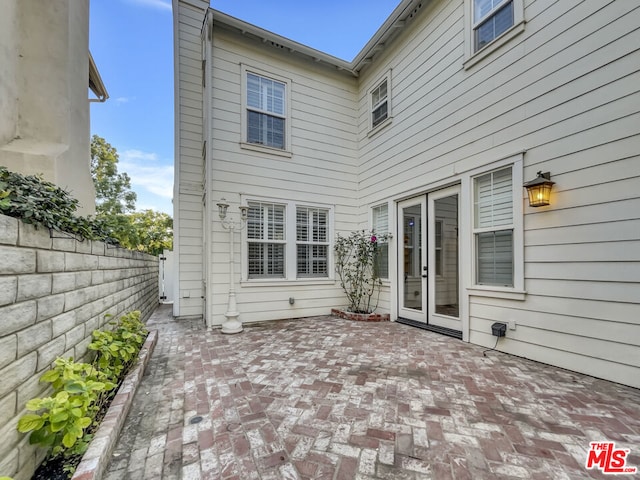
point(424, 272)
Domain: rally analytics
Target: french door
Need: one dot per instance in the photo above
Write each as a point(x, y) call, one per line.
point(429, 258)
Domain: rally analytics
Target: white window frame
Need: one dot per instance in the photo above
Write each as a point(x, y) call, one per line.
point(290, 254)
point(371, 106)
point(268, 241)
point(286, 151)
point(388, 232)
point(310, 241)
point(471, 56)
point(516, 291)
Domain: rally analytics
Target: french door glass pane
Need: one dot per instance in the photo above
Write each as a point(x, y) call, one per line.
point(446, 243)
point(412, 257)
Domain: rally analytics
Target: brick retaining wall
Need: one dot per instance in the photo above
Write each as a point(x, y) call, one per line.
point(53, 293)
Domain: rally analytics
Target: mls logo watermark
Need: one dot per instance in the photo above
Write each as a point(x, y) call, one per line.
point(609, 459)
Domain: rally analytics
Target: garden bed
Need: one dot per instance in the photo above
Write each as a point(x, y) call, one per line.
point(360, 317)
point(93, 463)
point(97, 456)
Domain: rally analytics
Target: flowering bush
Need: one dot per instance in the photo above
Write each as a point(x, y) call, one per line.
point(356, 257)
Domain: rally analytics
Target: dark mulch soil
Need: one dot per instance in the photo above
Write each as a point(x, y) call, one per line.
point(53, 469)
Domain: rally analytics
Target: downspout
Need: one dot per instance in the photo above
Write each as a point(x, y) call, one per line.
point(176, 158)
point(207, 191)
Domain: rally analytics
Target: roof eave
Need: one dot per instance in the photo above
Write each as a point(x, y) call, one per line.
point(397, 21)
point(288, 44)
point(389, 29)
point(95, 82)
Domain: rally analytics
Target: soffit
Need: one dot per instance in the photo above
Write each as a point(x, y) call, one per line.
point(404, 13)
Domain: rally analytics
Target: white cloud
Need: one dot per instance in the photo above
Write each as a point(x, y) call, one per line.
point(121, 100)
point(158, 4)
point(147, 172)
point(132, 155)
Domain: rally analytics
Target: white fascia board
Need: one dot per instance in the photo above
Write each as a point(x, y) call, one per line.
point(396, 21)
point(291, 45)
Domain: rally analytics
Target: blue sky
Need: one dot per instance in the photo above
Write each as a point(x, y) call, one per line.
point(132, 44)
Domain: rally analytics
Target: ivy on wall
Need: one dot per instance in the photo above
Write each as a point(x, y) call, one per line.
point(36, 201)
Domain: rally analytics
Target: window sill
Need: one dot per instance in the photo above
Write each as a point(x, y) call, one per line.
point(280, 282)
point(379, 127)
point(497, 292)
point(484, 52)
point(268, 150)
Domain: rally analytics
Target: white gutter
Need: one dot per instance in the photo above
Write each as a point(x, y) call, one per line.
point(95, 82)
point(402, 14)
point(290, 45)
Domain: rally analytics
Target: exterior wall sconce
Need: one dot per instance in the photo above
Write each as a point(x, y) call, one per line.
point(232, 324)
point(539, 189)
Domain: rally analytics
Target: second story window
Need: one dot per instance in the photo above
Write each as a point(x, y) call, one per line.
point(380, 114)
point(379, 104)
point(266, 111)
point(491, 18)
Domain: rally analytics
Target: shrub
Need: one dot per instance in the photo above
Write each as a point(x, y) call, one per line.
point(39, 202)
point(116, 349)
point(61, 421)
point(356, 267)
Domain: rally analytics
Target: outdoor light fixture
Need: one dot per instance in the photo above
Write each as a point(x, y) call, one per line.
point(232, 324)
point(222, 209)
point(539, 189)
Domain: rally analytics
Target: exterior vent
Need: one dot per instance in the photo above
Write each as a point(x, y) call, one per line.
point(415, 10)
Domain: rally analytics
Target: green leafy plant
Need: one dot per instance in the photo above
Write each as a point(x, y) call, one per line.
point(356, 267)
point(59, 421)
point(62, 421)
point(36, 201)
point(116, 349)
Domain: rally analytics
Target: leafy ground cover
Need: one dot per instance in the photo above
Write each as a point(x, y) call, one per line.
point(66, 421)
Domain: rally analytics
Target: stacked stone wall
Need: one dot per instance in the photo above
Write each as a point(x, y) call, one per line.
point(53, 293)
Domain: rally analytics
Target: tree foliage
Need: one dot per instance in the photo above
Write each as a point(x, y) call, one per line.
point(151, 232)
point(113, 190)
point(148, 230)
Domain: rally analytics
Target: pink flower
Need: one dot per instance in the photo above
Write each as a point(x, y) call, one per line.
point(374, 239)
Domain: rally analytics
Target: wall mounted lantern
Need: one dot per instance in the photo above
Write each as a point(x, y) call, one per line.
point(232, 324)
point(539, 189)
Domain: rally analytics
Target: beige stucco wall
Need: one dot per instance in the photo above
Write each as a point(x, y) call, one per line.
point(44, 119)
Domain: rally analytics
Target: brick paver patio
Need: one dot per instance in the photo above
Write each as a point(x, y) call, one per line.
point(334, 399)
